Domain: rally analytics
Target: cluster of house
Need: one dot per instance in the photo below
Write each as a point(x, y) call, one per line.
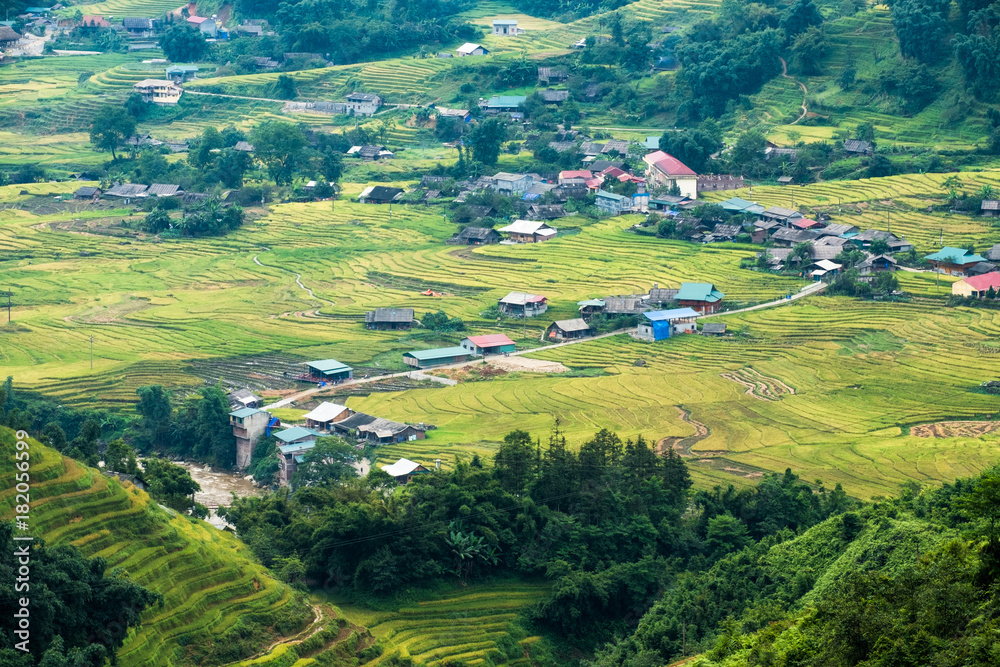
point(964, 262)
point(126, 192)
point(690, 301)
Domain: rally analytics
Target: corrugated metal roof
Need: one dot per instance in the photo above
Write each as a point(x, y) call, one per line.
point(674, 314)
point(490, 340)
point(325, 411)
point(328, 365)
point(437, 353)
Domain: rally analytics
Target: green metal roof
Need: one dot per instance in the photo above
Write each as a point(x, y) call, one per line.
point(506, 101)
point(328, 365)
point(599, 303)
point(611, 195)
point(699, 292)
point(294, 433)
point(955, 256)
point(297, 447)
point(244, 412)
point(437, 353)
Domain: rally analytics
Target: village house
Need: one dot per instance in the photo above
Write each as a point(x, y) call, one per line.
point(823, 269)
point(158, 91)
point(243, 146)
point(876, 264)
point(510, 184)
point(778, 153)
point(244, 398)
point(713, 329)
point(568, 329)
point(349, 427)
point(548, 75)
point(982, 268)
point(714, 182)
point(363, 104)
point(993, 254)
point(249, 426)
point(328, 370)
point(488, 344)
point(506, 28)
point(138, 27)
point(624, 305)
point(953, 261)
point(737, 205)
point(662, 324)
point(528, 231)
point(164, 190)
point(723, 232)
point(502, 103)
point(182, 73)
point(791, 237)
point(783, 216)
point(545, 211)
point(702, 297)
point(520, 304)
point(554, 96)
point(264, 62)
point(837, 229)
point(389, 319)
point(386, 431)
point(87, 192)
point(206, 26)
point(370, 152)
point(127, 191)
point(990, 207)
point(807, 223)
point(858, 147)
point(977, 287)
point(590, 307)
point(441, 356)
point(404, 470)
point(323, 416)
point(470, 49)
point(379, 194)
point(575, 176)
point(666, 171)
point(785, 180)
point(611, 203)
point(293, 444)
point(250, 29)
point(476, 236)
point(94, 21)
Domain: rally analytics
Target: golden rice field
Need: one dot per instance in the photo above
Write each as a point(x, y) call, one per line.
point(208, 578)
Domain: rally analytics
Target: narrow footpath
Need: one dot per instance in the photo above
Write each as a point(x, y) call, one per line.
point(802, 86)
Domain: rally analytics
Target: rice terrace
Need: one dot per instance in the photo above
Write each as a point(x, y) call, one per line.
point(469, 333)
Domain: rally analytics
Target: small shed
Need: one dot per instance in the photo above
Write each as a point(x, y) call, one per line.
point(662, 324)
point(389, 319)
point(990, 207)
point(244, 398)
point(380, 194)
point(545, 211)
point(714, 328)
point(441, 356)
point(86, 192)
point(476, 236)
point(325, 414)
point(386, 431)
point(404, 470)
point(488, 344)
point(329, 370)
point(567, 329)
point(470, 49)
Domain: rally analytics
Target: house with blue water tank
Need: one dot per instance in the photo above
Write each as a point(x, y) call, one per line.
point(249, 426)
point(662, 324)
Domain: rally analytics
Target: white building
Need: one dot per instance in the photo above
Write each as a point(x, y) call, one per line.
point(158, 91)
point(470, 49)
point(663, 170)
point(506, 27)
point(363, 104)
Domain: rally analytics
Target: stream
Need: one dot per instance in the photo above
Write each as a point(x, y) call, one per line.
point(217, 487)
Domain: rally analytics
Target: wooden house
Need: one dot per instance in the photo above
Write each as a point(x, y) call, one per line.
point(380, 194)
point(404, 470)
point(547, 75)
point(590, 307)
point(323, 416)
point(476, 236)
point(87, 192)
point(386, 431)
point(389, 319)
point(876, 264)
point(442, 356)
point(529, 231)
point(520, 304)
point(702, 297)
point(545, 211)
point(990, 207)
point(488, 344)
point(568, 329)
point(783, 216)
point(858, 147)
point(244, 398)
point(953, 261)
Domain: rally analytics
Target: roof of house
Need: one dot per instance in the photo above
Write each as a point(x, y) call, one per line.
point(551, 73)
point(668, 164)
point(794, 235)
point(243, 394)
point(354, 421)
point(714, 327)
point(86, 191)
point(476, 233)
point(857, 146)
point(604, 194)
point(389, 315)
point(827, 265)
point(505, 101)
point(325, 411)
point(780, 212)
point(575, 324)
point(575, 173)
point(504, 21)
point(662, 294)
point(507, 176)
point(727, 230)
point(437, 353)
point(363, 97)
point(469, 47)
point(870, 261)
point(136, 23)
point(163, 189)
point(401, 467)
point(955, 256)
point(627, 305)
point(522, 298)
point(490, 340)
point(699, 292)
point(382, 192)
point(294, 433)
point(618, 145)
point(182, 68)
point(836, 229)
point(984, 282)
point(806, 223)
point(383, 428)
point(873, 234)
point(548, 211)
point(328, 365)
point(990, 205)
point(244, 412)
point(127, 190)
point(526, 227)
point(736, 204)
point(197, 20)
point(982, 268)
point(666, 315)
point(993, 254)
point(155, 83)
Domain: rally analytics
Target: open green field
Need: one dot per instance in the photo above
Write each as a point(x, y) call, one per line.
point(207, 577)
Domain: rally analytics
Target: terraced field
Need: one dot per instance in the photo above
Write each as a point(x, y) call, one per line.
point(476, 625)
point(207, 577)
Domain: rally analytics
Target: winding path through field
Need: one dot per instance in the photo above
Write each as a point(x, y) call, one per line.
point(805, 91)
point(298, 279)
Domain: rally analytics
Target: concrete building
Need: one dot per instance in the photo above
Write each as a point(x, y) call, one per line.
point(158, 91)
point(666, 171)
point(363, 104)
point(506, 28)
point(662, 324)
point(249, 426)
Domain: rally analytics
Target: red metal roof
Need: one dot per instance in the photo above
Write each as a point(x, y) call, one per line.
point(805, 223)
point(984, 282)
point(575, 173)
point(668, 164)
point(491, 340)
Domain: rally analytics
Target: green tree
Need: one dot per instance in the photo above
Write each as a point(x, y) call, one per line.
point(183, 43)
point(170, 484)
point(111, 128)
point(865, 132)
point(514, 463)
point(748, 152)
point(135, 106)
point(232, 166)
point(215, 440)
point(692, 147)
point(486, 139)
point(328, 462)
point(119, 457)
point(978, 51)
point(808, 50)
point(879, 247)
point(284, 88)
point(156, 411)
point(278, 145)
